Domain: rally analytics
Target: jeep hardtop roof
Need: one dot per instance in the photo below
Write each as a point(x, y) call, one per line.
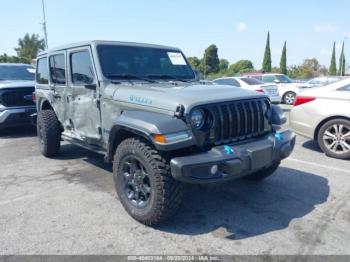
point(104, 42)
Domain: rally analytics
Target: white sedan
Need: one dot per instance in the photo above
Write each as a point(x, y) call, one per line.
point(323, 114)
point(252, 84)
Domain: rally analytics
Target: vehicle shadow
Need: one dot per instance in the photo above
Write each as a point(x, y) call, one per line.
point(70, 151)
point(235, 210)
point(243, 209)
point(312, 145)
point(18, 132)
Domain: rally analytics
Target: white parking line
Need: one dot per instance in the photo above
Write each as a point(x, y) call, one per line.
point(318, 165)
point(5, 202)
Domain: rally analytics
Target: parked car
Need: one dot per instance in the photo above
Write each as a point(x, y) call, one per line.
point(16, 89)
point(252, 84)
point(286, 87)
point(320, 81)
point(143, 107)
point(323, 114)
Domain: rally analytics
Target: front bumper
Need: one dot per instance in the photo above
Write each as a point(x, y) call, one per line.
point(233, 161)
point(18, 116)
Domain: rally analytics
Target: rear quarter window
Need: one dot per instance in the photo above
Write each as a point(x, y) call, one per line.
point(227, 81)
point(344, 88)
point(42, 71)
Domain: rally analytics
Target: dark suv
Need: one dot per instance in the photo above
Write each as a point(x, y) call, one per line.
point(16, 89)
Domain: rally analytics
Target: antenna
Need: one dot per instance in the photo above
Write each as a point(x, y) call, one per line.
point(44, 24)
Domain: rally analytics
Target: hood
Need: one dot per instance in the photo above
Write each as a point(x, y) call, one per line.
point(16, 84)
point(168, 97)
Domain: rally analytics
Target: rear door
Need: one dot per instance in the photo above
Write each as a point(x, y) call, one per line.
point(58, 83)
point(83, 100)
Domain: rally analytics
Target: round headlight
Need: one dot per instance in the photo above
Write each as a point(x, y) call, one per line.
point(197, 118)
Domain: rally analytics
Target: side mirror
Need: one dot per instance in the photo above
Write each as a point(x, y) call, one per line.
point(276, 116)
point(90, 86)
point(277, 81)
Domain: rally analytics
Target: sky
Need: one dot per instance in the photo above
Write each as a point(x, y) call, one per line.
point(238, 28)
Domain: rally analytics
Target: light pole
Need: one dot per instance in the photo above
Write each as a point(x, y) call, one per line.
point(44, 24)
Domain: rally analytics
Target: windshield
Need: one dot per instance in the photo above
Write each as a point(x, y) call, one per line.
point(284, 79)
point(16, 72)
point(142, 63)
point(252, 81)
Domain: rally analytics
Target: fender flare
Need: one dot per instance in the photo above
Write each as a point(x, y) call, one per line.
point(144, 124)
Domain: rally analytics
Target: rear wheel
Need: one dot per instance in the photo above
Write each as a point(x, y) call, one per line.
point(289, 98)
point(334, 138)
point(49, 133)
point(144, 183)
point(264, 173)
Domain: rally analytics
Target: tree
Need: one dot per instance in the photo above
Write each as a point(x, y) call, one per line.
point(223, 65)
point(210, 62)
point(333, 66)
point(266, 66)
point(11, 59)
point(195, 62)
point(283, 62)
point(308, 69)
point(241, 66)
point(29, 46)
point(341, 71)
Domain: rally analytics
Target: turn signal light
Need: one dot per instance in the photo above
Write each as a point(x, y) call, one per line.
point(303, 99)
point(260, 90)
point(161, 139)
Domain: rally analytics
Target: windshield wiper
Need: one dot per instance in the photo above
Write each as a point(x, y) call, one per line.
point(130, 77)
point(169, 77)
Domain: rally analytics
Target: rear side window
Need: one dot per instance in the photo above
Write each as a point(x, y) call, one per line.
point(58, 69)
point(228, 81)
point(81, 66)
point(268, 79)
point(251, 81)
point(42, 71)
point(344, 88)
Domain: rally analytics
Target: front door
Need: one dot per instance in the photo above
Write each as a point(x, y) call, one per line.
point(83, 96)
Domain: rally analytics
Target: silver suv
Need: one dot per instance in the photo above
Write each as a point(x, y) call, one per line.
point(143, 107)
point(16, 89)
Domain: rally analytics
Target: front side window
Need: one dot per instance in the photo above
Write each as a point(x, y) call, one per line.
point(58, 69)
point(130, 62)
point(16, 72)
point(42, 71)
point(81, 67)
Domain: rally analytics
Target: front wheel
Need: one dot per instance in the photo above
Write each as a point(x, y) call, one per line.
point(289, 98)
point(334, 138)
point(144, 183)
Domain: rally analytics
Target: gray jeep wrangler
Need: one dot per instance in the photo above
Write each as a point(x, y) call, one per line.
point(143, 107)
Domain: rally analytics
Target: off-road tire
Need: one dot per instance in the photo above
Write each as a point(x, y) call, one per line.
point(264, 173)
point(321, 142)
point(286, 100)
point(166, 193)
point(49, 133)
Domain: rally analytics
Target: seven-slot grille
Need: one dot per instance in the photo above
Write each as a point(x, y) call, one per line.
point(16, 97)
point(237, 121)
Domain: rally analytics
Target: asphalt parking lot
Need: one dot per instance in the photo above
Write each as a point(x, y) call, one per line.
point(68, 205)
